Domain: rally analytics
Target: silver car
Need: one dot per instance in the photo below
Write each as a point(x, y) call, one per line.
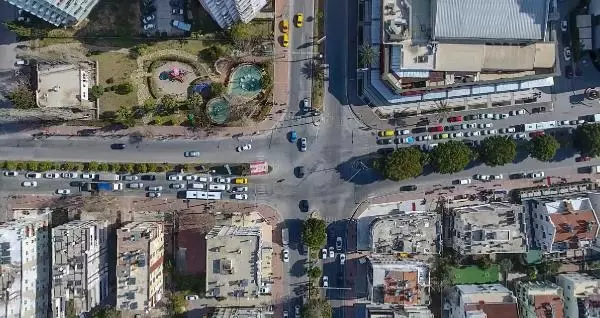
point(136, 185)
point(155, 188)
point(191, 154)
point(303, 144)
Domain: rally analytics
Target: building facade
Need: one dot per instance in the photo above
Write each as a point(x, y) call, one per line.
point(228, 12)
point(481, 301)
point(79, 266)
point(140, 254)
point(539, 299)
point(581, 294)
point(25, 266)
point(58, 13)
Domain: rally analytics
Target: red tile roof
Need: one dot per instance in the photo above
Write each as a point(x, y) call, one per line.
point(574, 226)
point(401, 288)
point(545, 305)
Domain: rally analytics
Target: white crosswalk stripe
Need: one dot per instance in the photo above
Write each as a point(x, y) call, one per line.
point(261, 189)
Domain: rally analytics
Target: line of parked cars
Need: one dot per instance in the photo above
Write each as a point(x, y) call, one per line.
point(148, 15)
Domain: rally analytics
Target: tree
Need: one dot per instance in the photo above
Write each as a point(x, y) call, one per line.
point(126, 116)
point(115, 167)
point(169, 104)
point(316, 308)
point(21, 165)
point(442, 110)
point(405, 163)
point(242, 35)
point(194, 102)
point(544, 147)
point(586, 138)
point(450, 157)
point(212, 53)
point(10, 165)
point(152, 167)
point(484, 262)
point(127, 167)
point(367, 54)
point(67, 166)
point(314, 233)
point(103, 166)
point(549, 268)
point(45, 166)
point(32, 165)
point(141, 168)
point(96, 91)
point(216, 89)
point(92, 166)
point(315, 272)
point(70, 312)
point(124, 89)
point(104, 312)
point(178, 303)
point(506, 266)
point(22, 97)
point(497, 150)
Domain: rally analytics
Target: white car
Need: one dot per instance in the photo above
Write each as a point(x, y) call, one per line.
point(240, 189)
point(33, 175)
point(342, 259)
point(538, 174)
point(464, 181)
point(28, 184)
point(573, 122)
point(500, 116)
point(497, 177)
point(563, 122)
point(148, 27)
point(154, 194)
point(324, 253)
point(325, 281)
point(473, 133)
point(507, 130)
point(136, 185)
point(457, 135)
point(426, 137)
point(403, 132)
point(491, 132)
point(242, 196)
point(286, 256)
point(191, 154)
point(178, 185)
point(482, 177)
point(484, 116)
point(485, 125)
point(69, 175)
point(175, 177)
point(519, 136)
point(563, 25)
point(88, 175)
point(130, 178)
point(580, 121)
point(63, 191)
point(149, 18)
point(155, 188)
point(223, 180)
point(192, 297)
point(191, 177)
point(517, 112)
point(331, 252)
point(567, 53)
point(244, 147)
point(51, 175)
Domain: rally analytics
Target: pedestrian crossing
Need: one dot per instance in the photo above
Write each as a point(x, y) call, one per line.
point(261, 189)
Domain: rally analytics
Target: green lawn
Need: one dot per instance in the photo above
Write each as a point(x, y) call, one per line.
point(118, 67)
point(475, 275)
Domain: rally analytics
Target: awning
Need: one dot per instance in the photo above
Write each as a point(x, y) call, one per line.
point(507, 87)
point(459, 92)
point(482, 89)
point(542, 82)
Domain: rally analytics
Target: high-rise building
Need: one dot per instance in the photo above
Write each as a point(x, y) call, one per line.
point(140, 251)
point(59, 12)
point(227, 12)
point(79, 266)
point(24, 266)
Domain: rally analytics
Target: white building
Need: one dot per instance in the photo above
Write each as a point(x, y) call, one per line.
point(25, 266)
point(481, 301)
point(79, 266)
point(564, 225)
point(227, 12)
point(581, 293)
point(59, 12)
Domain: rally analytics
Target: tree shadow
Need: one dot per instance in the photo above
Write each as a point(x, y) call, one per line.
point(359, 170)
point(313, 70)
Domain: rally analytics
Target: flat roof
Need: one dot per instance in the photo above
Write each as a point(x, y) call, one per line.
point(63, 85)
point(498, 19)
point(409, 232)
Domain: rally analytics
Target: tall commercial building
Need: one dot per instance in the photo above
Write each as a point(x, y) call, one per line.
point(140, 251)
point(79, 266)
point(59, 12)
point(24, 266)
point(227, 12)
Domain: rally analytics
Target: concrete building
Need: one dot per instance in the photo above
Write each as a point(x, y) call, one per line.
point(488, 228)
point(227, 12)
point(65, 85)
point(79, 266)
point(490, 301)
point(234, 263)
point(25, 265)
point(539, 299)
point(455, 50)
point(366, 310)
point(59, 13)
point(140, 251)
point(581, 293)
point(406, 232)
point(405, 283)
point(564, 227)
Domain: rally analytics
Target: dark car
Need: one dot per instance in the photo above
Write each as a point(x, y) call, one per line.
point(300, 172)
point(411, 187)
point(304, 205)
point(148, 177)
point(538, 110)
point(384, 141)
point(419, 130)
point(569, 71)
point(118, 146)
point(519, 175)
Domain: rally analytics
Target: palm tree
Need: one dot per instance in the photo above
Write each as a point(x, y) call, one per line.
point(442, 111)
point(314, 70)
point(367, 55)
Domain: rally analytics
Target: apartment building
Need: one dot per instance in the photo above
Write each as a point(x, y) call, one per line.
point(140, 254)
point(58, 13)
point(539, 299)
point(394, 282)
point(489, 300)
point(228, 12)
point(25, 265)
point(417, 232)
point(581, 294)
point(79, 266)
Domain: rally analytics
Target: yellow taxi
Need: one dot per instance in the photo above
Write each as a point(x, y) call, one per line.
point(299, 19)
point(386, 133)
point(240, 181)
point(285, 41)
point(284, 26)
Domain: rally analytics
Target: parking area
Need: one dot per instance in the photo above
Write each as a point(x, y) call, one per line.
point(158, 17)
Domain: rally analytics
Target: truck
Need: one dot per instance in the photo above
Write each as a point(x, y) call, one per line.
point(107, 186)
point(595, 118)
point(285, 239)
point(203, 195)
point(107, 177)
point(181, 25)
point(539, 126)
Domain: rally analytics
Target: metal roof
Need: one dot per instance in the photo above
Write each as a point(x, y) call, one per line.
point(487, 19)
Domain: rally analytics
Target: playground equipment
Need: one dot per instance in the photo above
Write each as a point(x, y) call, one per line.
point(175, 74)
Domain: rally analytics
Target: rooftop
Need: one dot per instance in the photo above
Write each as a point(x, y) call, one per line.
point(574, 219)
point(489, 228)
point(406, 232)
point(400, 282)
point(486, 293)
point(64, 85)
point(498, 19)
point(548, 306)
point(233, 261)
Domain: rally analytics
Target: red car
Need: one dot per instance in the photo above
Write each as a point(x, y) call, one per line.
point(583, 158)
point(536, 134)
point(455, 119)
point(436, 128)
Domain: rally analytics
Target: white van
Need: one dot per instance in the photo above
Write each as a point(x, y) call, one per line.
point(204, 179)
point(219, 187)
point(196, 186)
